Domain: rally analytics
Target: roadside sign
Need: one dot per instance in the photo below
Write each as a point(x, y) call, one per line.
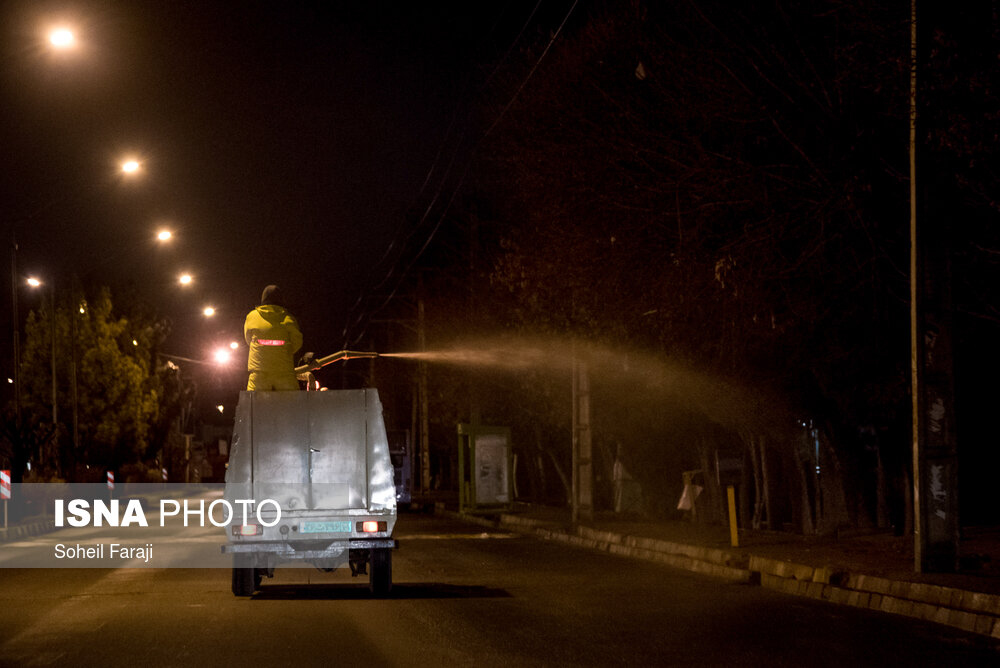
point(729, 467)
point(5, 493)
point(111, 480)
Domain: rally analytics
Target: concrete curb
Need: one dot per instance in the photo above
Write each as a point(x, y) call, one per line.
point(970, 611)
point(19, 531)
point(709, 561)
point(973, 612)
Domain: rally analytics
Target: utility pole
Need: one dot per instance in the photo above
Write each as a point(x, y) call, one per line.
point(475, 407)
point(425, 450)
point(935, 452)
point(17, 335)
point(918, 532)
point(54, 450)
point(583, 467)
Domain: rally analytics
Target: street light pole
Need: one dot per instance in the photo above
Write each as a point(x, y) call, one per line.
point(52, 343)
point(17, 336)
point(35, 283)
point(75, 308)
point(60, 39)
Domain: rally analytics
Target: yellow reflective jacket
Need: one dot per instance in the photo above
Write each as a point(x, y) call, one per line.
point(274, 337)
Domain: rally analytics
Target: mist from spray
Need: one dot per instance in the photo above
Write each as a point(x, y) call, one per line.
point(647, 378)
point(509, 356)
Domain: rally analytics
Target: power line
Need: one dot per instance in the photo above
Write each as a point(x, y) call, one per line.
point(428, 209)
point(548, 46)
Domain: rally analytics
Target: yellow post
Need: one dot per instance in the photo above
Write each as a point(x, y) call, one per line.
point(734, 538)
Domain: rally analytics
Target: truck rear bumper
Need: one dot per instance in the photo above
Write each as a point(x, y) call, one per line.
point(287, 551)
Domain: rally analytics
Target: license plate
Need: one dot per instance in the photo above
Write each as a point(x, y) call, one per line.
point(325, 527)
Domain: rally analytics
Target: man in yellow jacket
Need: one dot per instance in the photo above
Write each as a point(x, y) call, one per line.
point(274, 337)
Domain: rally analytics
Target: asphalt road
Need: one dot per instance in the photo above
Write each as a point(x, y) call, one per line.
point(461, 597)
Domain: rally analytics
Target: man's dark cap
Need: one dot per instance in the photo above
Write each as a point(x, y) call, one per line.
point(272, 296)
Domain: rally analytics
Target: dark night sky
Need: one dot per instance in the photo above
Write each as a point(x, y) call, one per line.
point(282, 142)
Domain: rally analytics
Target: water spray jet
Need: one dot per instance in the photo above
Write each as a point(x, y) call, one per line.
point(648, 378)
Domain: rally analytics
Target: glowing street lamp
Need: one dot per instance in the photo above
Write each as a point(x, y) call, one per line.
point(185, 279)
point(131, 166)
point(222, 356)
point(208, 311)
point(234, 345)
point(164, 235)
point(33, 282)
point(62, 39)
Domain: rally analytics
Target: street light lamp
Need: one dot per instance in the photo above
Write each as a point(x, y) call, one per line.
point(208, 311)
point(185, 279)
point(164, 235)
point(62, 38)
point(131, 166)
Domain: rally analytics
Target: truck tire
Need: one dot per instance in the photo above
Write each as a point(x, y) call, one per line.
point(380, 572)
point(245, 581)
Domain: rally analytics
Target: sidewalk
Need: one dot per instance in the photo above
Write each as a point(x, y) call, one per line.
point(873, 570)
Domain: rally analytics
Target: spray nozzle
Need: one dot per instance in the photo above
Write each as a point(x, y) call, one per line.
point(330, 359)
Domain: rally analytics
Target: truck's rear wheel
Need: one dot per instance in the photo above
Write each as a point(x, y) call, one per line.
point(380, 571)
point(245, 578)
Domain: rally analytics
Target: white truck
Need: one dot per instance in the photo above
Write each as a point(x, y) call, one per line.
point(317, 469)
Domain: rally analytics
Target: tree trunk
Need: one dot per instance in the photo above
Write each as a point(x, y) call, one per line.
point(835, 512)
point(766, 478)
point(713, 493)
point(744, 491)
point(758, 484)
point(808, 525)
point(908, 502)
point(567, 486)
point(882, 501)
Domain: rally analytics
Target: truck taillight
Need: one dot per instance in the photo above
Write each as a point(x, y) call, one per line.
point(371, 526)
point(247, 530)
